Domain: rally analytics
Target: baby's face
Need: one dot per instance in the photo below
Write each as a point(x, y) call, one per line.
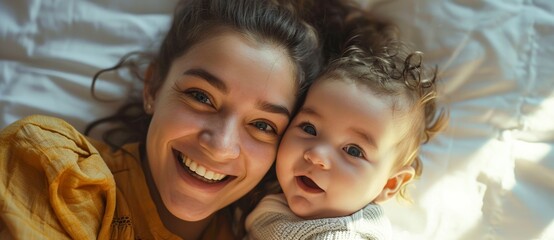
point(339, 151)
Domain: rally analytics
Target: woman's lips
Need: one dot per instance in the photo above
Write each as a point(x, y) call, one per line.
point(308, 184)
point(199, 172)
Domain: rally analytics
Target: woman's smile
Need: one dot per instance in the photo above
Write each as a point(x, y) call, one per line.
point(198, 170)
point(193, 172)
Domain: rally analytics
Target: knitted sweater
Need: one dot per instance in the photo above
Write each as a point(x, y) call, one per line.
point(273, 219)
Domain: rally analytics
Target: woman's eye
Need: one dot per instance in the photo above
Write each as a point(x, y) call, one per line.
point(353, 151)
point(200, 97)
point(309, 129)
point(264, 126)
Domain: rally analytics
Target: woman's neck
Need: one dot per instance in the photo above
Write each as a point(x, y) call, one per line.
point(184, 229)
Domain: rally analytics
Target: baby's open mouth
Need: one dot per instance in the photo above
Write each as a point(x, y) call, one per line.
point(308, 184)
point(198, 171)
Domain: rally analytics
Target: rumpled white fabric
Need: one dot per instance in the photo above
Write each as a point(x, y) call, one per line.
point(50, 49)
point(489, 176)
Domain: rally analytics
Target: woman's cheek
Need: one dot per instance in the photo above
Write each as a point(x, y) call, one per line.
point(262, 156)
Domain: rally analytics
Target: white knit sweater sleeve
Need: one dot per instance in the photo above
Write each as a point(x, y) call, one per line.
point(272, 219)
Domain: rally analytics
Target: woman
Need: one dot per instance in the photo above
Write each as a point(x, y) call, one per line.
point(219, 94)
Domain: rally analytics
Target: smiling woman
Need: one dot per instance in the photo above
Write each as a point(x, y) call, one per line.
point(213, 116)
point(217, 97)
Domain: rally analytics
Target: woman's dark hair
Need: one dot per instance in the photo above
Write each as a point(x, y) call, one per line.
point(337, 20)
point(265, 21)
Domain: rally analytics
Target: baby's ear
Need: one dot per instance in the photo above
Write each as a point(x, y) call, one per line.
point(395, 183)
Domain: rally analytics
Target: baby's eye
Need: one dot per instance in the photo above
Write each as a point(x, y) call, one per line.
point(354, 151)
point(264, 126)
point(200, 97)
point(309, 129)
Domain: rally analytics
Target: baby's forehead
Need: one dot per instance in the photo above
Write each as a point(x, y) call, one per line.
point(348, 102)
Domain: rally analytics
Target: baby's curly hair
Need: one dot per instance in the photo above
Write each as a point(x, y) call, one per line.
point(390, 70)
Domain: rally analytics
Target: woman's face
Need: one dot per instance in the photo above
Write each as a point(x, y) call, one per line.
point(216, 122)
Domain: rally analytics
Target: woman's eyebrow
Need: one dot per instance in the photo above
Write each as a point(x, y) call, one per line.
point(210, 78)
point(219, 84)
point(273, 108)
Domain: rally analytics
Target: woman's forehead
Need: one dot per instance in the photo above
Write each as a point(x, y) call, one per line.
point(241, 66)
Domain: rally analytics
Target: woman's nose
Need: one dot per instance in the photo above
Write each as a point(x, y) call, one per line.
point(319, 155)
point(221, 138)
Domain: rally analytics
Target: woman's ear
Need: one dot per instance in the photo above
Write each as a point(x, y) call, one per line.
point(147, 93)
point(395, 183)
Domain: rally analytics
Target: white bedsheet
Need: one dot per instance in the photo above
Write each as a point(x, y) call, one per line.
point(489, 176)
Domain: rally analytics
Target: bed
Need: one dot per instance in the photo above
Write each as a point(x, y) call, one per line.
point(490, 175)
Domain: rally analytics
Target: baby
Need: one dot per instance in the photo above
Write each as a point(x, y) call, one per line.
point(353, 144)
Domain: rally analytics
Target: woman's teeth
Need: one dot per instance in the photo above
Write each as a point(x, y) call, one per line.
point(200, 170)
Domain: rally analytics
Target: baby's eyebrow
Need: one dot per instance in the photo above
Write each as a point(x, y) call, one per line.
point(209, 77)
point(309, 111)
point(367, 137)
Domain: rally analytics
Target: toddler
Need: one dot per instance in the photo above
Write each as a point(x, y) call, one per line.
point(353, 145)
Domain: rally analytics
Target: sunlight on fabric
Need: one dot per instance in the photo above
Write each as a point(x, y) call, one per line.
point(533, 152)
point(548, 231)
point(537, 125)
point(498, 166)
point(459, 193)
point(507, 150)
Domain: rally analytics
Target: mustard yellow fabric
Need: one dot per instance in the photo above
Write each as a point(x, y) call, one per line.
point(57, 184)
